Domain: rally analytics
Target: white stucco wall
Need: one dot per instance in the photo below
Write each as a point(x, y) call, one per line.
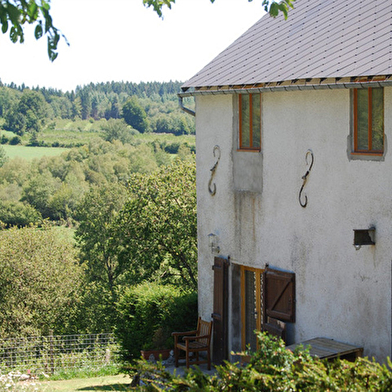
point(341, 292)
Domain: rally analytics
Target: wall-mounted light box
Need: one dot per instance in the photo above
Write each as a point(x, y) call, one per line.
point(364, 237)
point(213, 240)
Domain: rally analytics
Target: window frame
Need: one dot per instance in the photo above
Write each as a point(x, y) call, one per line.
point(258, 302)
point(251, 130)
point(369, 151)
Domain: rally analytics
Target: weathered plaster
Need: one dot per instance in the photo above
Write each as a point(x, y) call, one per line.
point(341, 293)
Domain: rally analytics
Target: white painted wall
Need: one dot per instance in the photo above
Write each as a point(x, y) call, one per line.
point(341, 293)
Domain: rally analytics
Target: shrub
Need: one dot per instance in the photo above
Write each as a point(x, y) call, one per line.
point(172, 148)
point(15, 140)
point(274, 368)
point(150, 312)
point(18, 214)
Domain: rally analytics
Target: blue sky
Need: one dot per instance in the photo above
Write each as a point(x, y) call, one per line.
point(121, 40)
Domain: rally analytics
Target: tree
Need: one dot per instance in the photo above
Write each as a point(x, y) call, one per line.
point(3, 156)
point(117, 130)
point(28, 114)
point(39, 281)
point(96, 213)
point(156, 231)
point(39, 190)
point(134, 115)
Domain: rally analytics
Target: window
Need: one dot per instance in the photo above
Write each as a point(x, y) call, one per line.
point(369, 121)
point(250, 122)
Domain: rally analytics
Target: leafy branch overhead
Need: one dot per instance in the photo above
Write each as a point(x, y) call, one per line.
point(271, 6)
point(14, 14)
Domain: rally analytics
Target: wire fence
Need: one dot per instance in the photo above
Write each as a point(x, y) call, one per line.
point(49, 354)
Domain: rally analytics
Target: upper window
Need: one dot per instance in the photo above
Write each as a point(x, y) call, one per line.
point(250, 121)
point(369, 121)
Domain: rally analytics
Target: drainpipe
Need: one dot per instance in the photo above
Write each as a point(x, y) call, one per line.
point(186, 110)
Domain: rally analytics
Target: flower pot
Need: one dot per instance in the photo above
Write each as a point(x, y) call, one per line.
point(164, 354)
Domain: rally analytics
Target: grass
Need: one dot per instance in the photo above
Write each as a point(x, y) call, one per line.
point(103, 383)
point(31, 152)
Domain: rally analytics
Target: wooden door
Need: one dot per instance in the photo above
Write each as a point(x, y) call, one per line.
point(220, 310)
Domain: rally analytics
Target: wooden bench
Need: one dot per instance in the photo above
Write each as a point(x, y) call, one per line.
point(325, 348)
point(194, 342)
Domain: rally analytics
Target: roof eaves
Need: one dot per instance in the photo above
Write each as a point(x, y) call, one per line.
point(290, 85)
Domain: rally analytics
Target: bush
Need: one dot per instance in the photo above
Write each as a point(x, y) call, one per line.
point(148, 313)
point(15, 140)
point(274, 368)
point(18, 214)
point(172, 148)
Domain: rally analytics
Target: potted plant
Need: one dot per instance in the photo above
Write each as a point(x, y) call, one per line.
point(160, 346)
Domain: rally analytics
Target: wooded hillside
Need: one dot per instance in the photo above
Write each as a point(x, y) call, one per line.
point(147, 107)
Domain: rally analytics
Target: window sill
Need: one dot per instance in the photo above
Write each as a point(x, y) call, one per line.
point(376, 154)
point(248, 149)
point(367, 156)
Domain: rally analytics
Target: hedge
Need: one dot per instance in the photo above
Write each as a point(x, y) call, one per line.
point(148, 313)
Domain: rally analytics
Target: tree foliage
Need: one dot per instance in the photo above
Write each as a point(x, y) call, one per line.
point(157, 228)
point(96, 214)
point(54, 187)
point(39, 281)
point(134, 115)
point(147, 315)
point(154, 106)
point(14, 14)
point(271, 6)
point(29, 114)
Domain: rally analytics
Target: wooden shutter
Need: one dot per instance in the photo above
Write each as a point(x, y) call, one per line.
point(220, 311)
point(279, 295)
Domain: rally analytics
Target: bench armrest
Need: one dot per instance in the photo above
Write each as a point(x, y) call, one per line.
point(184, 333)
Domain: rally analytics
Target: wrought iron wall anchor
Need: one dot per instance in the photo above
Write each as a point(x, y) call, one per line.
point(305, 178)
point(217, 154)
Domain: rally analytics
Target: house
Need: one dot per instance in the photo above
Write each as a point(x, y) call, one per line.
point(294, 174)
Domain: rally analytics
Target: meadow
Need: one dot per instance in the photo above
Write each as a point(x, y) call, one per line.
point(28, 153)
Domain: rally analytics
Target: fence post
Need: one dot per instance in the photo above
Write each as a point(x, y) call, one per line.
point(51, 352)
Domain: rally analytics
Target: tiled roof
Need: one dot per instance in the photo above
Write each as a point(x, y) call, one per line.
point(320, 39)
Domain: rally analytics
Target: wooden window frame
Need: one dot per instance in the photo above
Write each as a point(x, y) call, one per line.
point(259, 320)
point(251, 130)
point(369, 151)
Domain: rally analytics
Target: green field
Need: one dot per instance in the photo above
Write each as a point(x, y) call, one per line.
point(32, 152)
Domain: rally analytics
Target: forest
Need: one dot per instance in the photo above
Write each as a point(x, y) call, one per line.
point(114, 209)
point(147, 107)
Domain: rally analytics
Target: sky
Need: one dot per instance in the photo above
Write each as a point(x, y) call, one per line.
point(121, 40)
